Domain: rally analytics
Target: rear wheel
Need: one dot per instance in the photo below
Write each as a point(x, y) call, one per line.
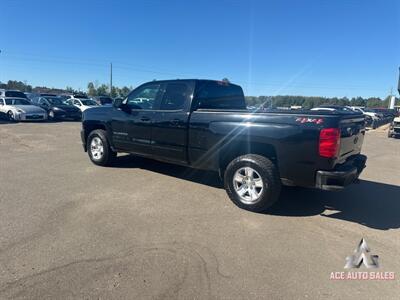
point(252, 182)
point(99, 149)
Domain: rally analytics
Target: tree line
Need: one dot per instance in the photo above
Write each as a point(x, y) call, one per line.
point(307, 102)
point(95, 89)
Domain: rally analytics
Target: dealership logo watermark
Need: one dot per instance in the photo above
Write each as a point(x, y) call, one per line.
point(362, 257)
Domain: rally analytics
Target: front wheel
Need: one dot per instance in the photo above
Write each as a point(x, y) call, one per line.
point(252, 182)
point(11, 116)
point(99, 150)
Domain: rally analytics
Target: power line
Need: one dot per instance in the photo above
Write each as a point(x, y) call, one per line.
point(136, 68)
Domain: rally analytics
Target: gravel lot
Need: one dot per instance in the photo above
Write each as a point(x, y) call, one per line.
point(143, 229)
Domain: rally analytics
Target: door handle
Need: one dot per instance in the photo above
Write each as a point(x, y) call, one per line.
point(145, 119)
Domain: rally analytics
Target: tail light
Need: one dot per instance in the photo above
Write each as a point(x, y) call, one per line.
point(329, 142)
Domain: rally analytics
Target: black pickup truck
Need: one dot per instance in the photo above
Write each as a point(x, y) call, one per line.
point(204, 124)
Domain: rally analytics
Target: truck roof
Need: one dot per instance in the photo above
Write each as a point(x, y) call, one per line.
point(194, 79)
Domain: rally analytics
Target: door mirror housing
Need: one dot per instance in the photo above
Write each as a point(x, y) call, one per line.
point(118, 103)
point(122, 106)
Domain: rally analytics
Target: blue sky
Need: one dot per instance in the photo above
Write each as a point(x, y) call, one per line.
point(305, 47)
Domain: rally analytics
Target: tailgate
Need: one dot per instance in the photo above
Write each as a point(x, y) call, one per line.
point(352, 132)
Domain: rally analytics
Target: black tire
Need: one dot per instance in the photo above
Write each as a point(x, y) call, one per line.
point(10, 116)
point(107, 156)
point(270, 181)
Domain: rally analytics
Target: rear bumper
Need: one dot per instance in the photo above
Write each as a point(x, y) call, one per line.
point(341, 176)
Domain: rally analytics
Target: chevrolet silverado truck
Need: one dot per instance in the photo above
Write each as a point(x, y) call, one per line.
point(204, 124)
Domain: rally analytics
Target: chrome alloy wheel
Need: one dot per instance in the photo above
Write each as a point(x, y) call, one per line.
point(96, 148)
point(248, 185)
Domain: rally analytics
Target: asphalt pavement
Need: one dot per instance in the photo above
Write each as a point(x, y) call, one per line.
point(149, 230)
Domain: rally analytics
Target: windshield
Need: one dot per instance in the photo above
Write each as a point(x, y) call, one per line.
point(88, 102)
point(18, 102)
point(54, 100)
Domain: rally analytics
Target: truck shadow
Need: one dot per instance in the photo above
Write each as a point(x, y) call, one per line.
point(202, 177)
point(372, 204)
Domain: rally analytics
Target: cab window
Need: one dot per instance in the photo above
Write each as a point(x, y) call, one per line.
point(144, 97)
point(176, 96)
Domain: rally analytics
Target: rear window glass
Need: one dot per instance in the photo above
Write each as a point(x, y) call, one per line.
point(15, 94)
point(220, 95)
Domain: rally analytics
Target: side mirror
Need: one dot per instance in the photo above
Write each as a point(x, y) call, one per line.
point(118, 103)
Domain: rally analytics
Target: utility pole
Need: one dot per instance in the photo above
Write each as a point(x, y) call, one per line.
point(0, 74)
point(110, 79)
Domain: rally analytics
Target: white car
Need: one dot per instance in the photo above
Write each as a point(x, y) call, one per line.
point(332, 108)
point(82, 103)
point(21, 109)
point(367, 112)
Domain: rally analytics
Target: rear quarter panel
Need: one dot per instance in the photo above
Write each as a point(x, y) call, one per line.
point(294, 138)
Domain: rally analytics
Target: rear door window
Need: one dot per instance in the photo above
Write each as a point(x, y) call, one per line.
point(176, 96)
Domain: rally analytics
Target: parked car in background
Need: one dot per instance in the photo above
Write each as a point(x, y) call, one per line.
point(394, 128)
point(47, 95)
point(57, 109)
point(30, 96)
point(367, 112)
point(12, 93)
point(334, 108)
point(81, 103)
point(386, 112)
point(65, 97)
point(21, 109)
point(103, 100)
point(118, 99)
